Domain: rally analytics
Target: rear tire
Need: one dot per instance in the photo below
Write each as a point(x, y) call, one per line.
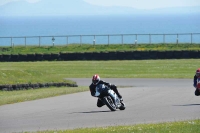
point(109, 102)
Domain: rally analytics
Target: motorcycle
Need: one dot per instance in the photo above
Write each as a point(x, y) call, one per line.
point(109, 97)
point(198, 84)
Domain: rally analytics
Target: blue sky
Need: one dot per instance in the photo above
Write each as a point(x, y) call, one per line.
point(95, 7)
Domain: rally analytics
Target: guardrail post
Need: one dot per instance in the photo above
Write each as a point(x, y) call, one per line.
point(67, 40)
point(108, 39)
point(122, 39)
point(177, 39)
point(136, 39)
point(163, 38)
point(94, 41)
point(39, 41)
point(80, 40)
point(11, 41)
point(53, 39)
point(25, 41)
point(149, 38)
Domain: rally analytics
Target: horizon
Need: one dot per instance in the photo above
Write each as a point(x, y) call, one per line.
point(97, 7)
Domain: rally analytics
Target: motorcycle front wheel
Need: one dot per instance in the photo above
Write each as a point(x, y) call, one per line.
point(109, 102)
point(122, 106)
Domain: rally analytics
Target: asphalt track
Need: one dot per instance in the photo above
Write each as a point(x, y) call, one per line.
point(147, 101)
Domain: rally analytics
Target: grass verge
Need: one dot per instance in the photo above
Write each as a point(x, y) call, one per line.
point(191, 126)
point(96, 48)
point(44, 72)
point(9, 97)
point(25, 72)
point(57, 71)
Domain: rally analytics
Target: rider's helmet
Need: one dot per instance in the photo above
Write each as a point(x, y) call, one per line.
point(95, 79)
point(198, 72)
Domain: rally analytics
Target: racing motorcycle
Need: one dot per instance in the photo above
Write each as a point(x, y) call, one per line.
point(109, 97)
point(198, 84)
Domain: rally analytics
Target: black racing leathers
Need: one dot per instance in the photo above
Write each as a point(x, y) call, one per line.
point(197, 93)
point(93, 89)
point(113, 87)
point(195, 81)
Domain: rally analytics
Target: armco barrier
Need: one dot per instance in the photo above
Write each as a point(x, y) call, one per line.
point(6, 57)
point(194, 54)
point(46, 57)
point(72, 56)
point(127, 55)
point(122, 55)
point(161, 54)
point(23, 57)
point(68, 56)
point(39, 57)
point(103, 56)
point(185, 54)
point(63, 56)
point(95, 55)
point(30, 57)
point(112, 55)
point(14, 57)
point(88, 56)
point(136, 55)
point(80, 56)
point(145, 55)
point(169, 55)
point(152, 55)
point(177, 55)
point(55, 56)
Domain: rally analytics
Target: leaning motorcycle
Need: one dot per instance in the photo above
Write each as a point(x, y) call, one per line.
point(198, 84)
point(109, 97)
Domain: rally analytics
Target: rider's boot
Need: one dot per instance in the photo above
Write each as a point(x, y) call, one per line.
point(121, 100)
point(114, 88)
point(197, 92)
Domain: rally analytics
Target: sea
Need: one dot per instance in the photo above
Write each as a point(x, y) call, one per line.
point(127, 29)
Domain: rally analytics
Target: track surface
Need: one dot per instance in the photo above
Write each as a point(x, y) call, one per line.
point(147, 101)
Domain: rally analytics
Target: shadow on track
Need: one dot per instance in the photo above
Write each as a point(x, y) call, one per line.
point(92, 112)
point(188, 105)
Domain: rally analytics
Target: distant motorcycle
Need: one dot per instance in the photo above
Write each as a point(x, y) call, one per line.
point(198, 84)
point(109, 97)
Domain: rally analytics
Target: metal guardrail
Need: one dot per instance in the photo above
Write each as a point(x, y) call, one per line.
point(189, 38)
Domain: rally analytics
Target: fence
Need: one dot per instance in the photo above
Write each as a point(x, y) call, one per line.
point(189, 38)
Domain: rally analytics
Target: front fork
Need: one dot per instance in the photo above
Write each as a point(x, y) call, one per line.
point(114, 97)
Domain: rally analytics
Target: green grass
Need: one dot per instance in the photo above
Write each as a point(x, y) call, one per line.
point(95, 48)
point(42, 72)
point(57, 71)
point(9, 97)
point(167, 127)
point(26, 72)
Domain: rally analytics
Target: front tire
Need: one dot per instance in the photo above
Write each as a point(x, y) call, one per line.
point(122, 106)
point(109, 102)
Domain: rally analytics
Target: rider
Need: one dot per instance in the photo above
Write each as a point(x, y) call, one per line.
point(95, 81)
point(197, 75)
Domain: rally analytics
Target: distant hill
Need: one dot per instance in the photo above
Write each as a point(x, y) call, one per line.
point(79, 7)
